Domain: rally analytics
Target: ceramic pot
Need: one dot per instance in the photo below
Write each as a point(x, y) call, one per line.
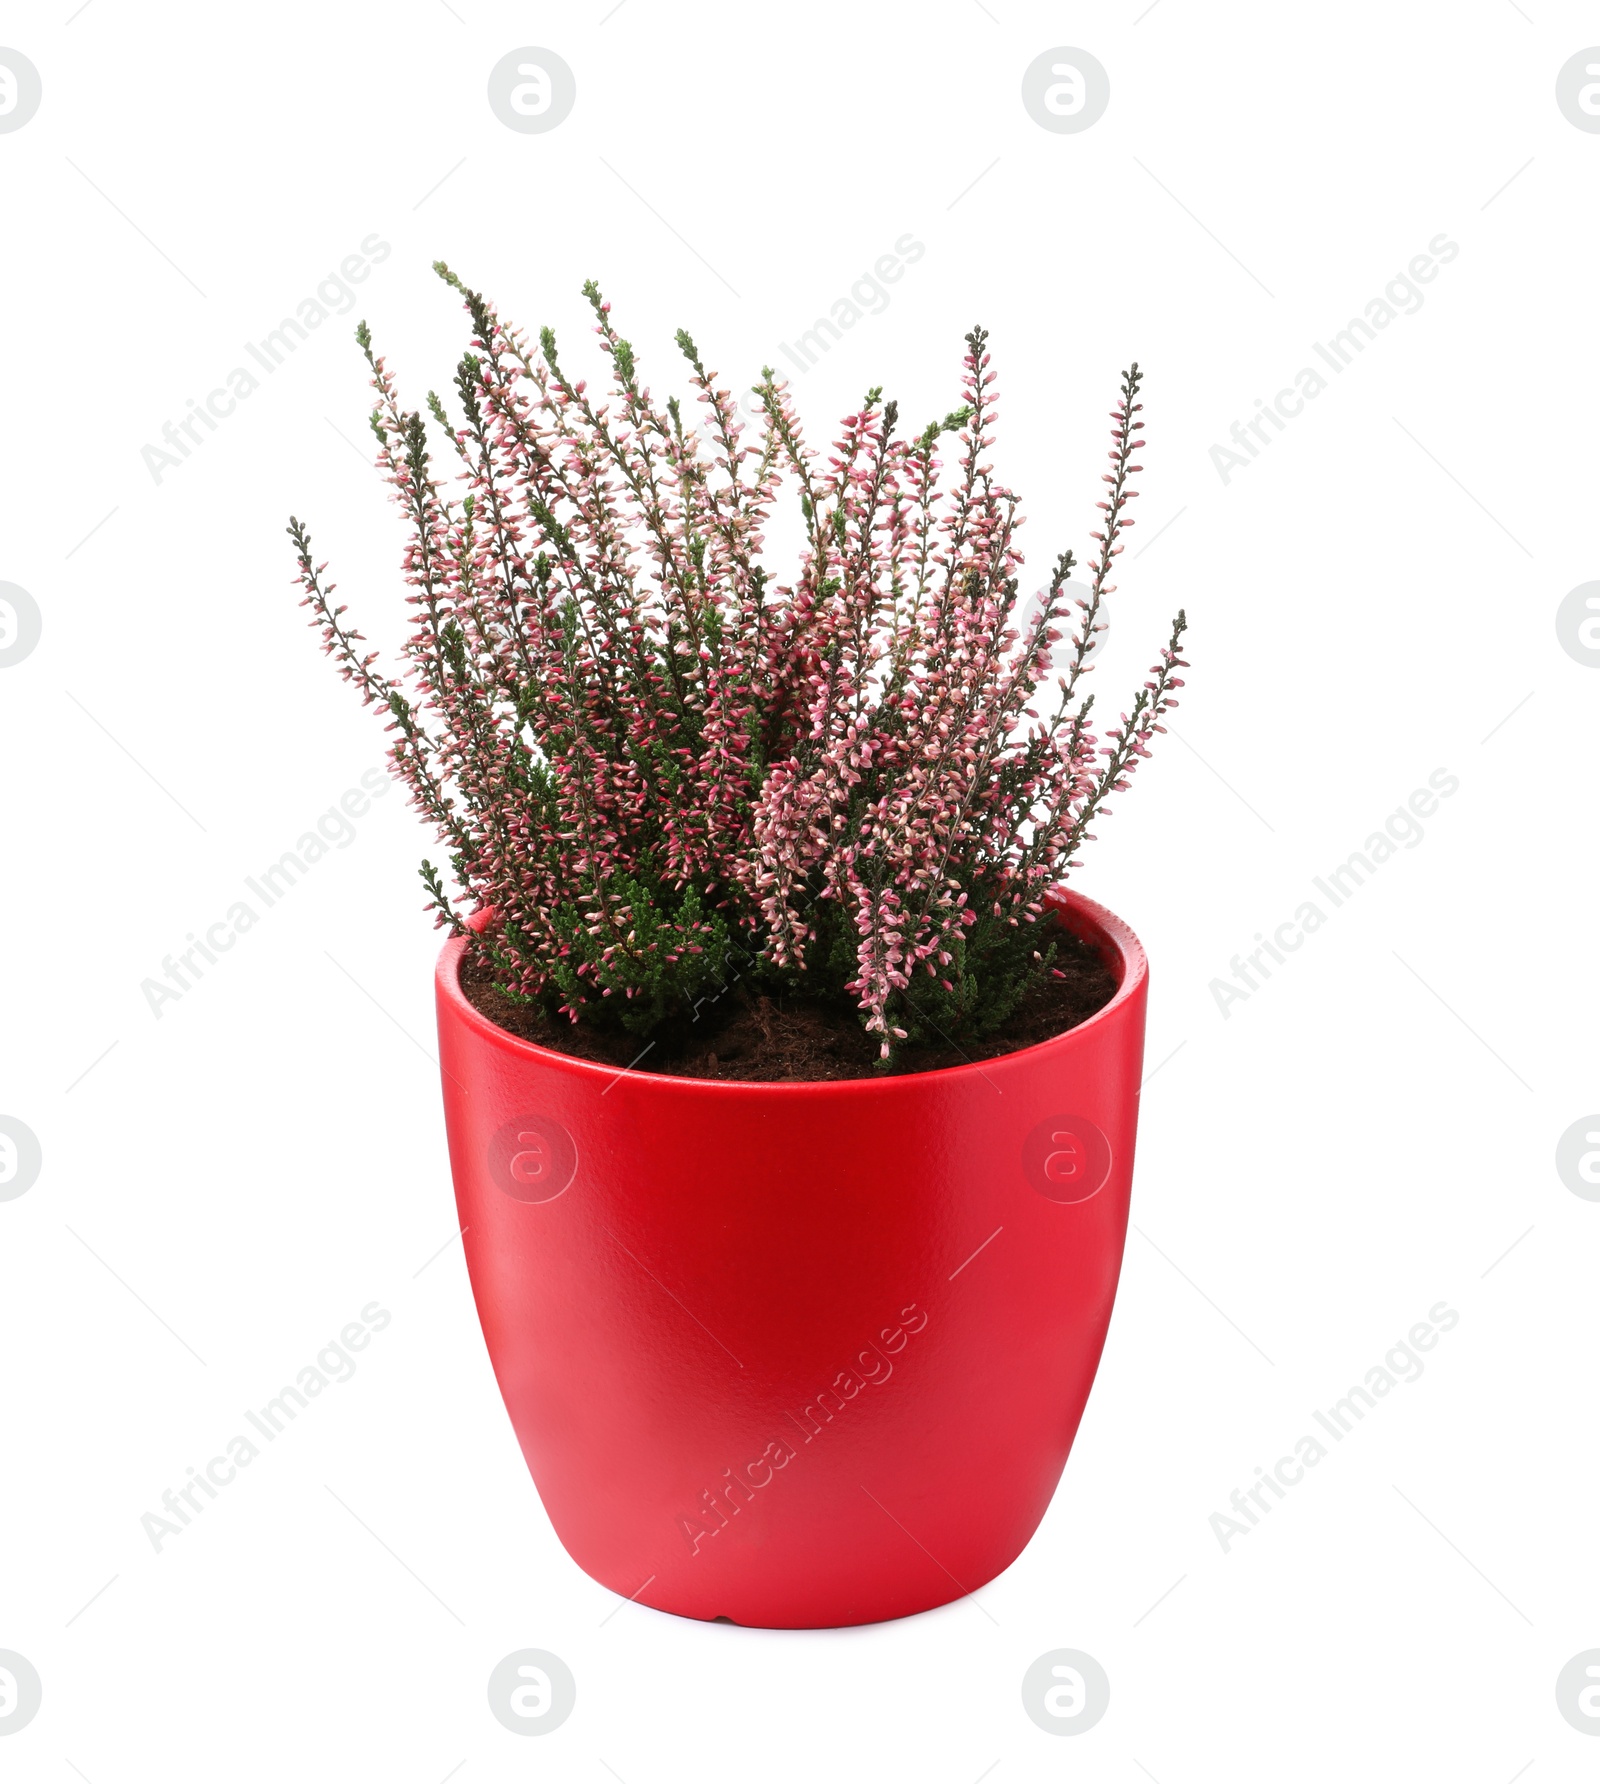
point(797, 1354)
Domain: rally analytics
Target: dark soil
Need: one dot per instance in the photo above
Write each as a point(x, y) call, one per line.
point(752, 1038)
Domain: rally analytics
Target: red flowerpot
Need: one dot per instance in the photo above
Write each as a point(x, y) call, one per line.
point(797, 1354)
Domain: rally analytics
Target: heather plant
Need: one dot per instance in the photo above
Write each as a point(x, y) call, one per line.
point(657, 766)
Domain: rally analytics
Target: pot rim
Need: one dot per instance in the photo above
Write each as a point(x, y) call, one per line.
point(1102, 925)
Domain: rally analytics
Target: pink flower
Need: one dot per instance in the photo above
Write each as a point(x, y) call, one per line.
point(646, 752)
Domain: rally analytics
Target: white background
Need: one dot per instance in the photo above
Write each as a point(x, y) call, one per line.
point(1370, 1133)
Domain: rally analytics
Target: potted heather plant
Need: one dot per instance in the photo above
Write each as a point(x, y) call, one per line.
point(791, 1097)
